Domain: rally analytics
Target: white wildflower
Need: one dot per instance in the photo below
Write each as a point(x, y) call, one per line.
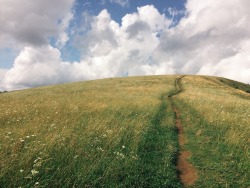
point(135, 157)
point(38, 164)
point(100, 149)
point(34, 172)
point(38, 158)
point(119, 155)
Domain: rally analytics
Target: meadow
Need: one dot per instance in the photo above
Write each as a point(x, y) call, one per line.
point(121, 132)
point(103, 133)
point(216, 119)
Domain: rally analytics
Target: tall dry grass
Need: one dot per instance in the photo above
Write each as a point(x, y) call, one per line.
point(87, 134)
point(217, 128)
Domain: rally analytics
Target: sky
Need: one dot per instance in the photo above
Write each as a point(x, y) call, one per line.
point(46, 42)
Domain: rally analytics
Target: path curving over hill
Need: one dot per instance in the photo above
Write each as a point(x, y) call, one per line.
point(187, 172)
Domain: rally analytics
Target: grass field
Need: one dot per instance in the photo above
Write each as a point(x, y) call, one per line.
point(121, 133)
point(216, 120)
point(104, 133)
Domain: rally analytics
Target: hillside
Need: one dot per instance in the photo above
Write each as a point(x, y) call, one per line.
point(127, 132)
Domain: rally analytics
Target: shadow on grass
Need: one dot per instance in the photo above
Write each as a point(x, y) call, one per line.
point(156, 165)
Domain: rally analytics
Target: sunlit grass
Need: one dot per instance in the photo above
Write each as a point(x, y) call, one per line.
point(120, 133)
point(91, 133)
point(217, 128)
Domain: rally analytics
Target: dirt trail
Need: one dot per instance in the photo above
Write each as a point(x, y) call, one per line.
point(188, 174)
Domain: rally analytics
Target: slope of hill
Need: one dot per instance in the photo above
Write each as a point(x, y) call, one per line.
point(216, 117)
point(121, 133)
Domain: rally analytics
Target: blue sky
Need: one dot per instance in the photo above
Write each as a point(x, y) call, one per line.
point(117, 11)
point(7, 57)
point(47, 42)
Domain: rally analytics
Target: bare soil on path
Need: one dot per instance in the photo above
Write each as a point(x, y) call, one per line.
point(187, 172)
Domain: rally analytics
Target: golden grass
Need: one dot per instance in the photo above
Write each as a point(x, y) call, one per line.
point(218, 130)
point(220, 105)
point(96, 133)
point(97, 123)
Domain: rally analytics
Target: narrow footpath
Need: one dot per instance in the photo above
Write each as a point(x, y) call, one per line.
point(187, 172)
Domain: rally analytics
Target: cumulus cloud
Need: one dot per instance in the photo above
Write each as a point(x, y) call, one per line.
point(63, 35)
point(211, 35)
point(124, 49)
point(213, 38)
point(36, 66)
point(235, 67)
point(31, 22)
point(109, 50)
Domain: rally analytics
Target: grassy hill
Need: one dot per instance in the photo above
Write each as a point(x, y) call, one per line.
point(121, 133)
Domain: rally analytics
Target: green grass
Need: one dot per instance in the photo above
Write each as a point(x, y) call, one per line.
point(216, 124)
point(158, 148)
point(235, 84)
point(120, 133)
point(104, 133)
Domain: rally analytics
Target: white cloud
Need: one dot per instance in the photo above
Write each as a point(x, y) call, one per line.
point(123, 50)
point(235, 67)
point(35, 66)
point(63, 35)
point(196, 43)
point(113, 50)
point(212, 32)
point(31, 22)
point(101, 33)
point(123, 3)
point(213, 38)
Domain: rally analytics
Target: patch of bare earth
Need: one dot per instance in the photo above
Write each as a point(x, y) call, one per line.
point(188, 174)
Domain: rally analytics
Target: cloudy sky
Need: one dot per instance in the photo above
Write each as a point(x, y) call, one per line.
point(46, 42)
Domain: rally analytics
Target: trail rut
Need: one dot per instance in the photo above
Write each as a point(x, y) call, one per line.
point(187, 172)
